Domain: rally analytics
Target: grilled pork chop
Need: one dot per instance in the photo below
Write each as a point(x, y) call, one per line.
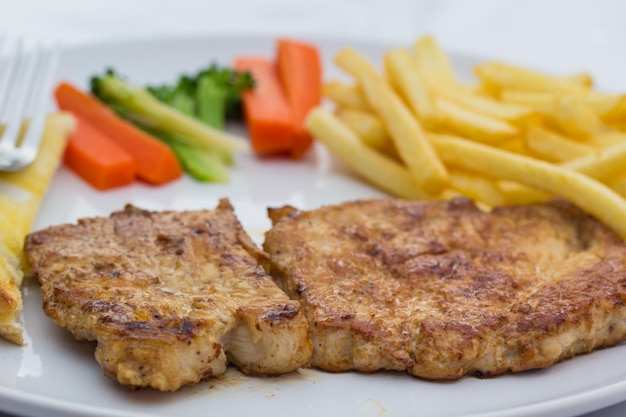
point(443, 289)
point(170, 297)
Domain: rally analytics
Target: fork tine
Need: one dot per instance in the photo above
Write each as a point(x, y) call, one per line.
point(23, 104)
point(10, 69)
point(17, 96)
point(36, 112)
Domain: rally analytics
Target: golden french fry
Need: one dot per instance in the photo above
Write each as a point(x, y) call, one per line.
point(516, 145)
point(346, 95)
point(588, 194)
point(541, 101)
point(607, 139)
point(404, 74)
point(602, 104)
point(406, 132)
point(476, 126)
point(528, 118)
point(480, 89)
point(434, 62)
point(602, 164)
point(618, 124)
point(584, 79)
point(510, 112)
point(606, 106)
point(554, 147)
point(505, 76)
point(477, 187)
point(516, 193)
point(570, 112)
point(619, 185)
point(368, 127)
point(575, 117)
point(376, 168)
point(489, 90)
point(618, 112)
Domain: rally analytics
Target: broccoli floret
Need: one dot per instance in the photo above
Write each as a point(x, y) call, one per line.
point(213, 94)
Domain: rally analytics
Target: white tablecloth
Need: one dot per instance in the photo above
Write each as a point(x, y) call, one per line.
point(558, 35)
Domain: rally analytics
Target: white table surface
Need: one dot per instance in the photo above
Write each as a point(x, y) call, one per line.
point(558, 35)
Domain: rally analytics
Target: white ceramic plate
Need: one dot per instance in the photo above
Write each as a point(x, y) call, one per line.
point(57, 376)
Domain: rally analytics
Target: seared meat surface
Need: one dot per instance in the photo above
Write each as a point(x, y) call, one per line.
point(443, 289)
point(170, 297)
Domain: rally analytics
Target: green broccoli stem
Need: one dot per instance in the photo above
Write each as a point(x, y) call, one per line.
point(183, 102)
point(203, 165)
point(139, 105)
point(211, 102)
point(206, 165)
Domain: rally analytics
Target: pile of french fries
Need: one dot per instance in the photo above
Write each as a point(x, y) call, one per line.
point(515, 136)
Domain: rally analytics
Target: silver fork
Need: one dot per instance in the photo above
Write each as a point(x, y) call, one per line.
point(26, 78)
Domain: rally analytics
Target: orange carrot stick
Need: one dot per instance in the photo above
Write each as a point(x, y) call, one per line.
point(267, 112)
point(97, 159)
point(300, 72)
point(156, 163)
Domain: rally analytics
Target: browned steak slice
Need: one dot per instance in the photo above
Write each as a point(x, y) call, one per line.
point(442, 289)
point(170, 297)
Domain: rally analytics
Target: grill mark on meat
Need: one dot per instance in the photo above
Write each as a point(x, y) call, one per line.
point(281, 313)
point(171, 244)
point(443, 290)
point(107, 269)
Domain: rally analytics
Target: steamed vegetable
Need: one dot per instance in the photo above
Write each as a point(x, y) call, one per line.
point(300, 71)
point(287, 87)
point(139, 105)
point(213, 95)
point(155, 162)
point(268, 114)
point(209, 165)
point(97, 159)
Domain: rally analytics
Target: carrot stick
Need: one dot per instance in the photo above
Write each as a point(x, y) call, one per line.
point(300, 71)
point(267, 112)
point(155, 162)
point(97, 159)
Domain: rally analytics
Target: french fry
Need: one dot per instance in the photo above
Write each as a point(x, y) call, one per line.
point(376, 168)
point(505, 76)
point(527, 136)
point(344, 95)
point(576, 118)
point(407, 133)
point(510, 112)
point(369, 128)
point(588, 194)
point(584, 79)
point(607, 139)
point(405, 75)
point(570, 112)
point(477, 187)
point(476, 126)
point(605, 106)
point(603, 164)
point(554, 147)
point(434, 62)
point(619, 185)
point(618, 112)
point(516, 145)
point(516, 193)
point(618, 124)
point(541, 101)
point(479, 90)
